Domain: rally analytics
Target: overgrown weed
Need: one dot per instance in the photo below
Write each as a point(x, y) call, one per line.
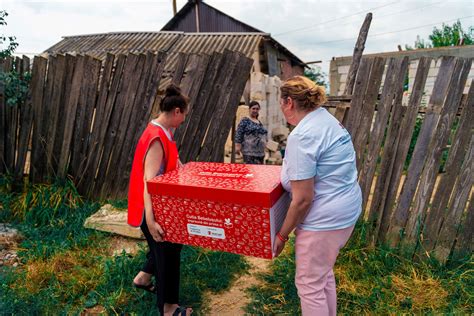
point(66, 268)
point(374, 280)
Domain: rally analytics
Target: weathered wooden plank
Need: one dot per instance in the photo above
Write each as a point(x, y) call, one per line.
point(191, 85)
point(370, 162)
point(367, 109)
point(180, 67)
point(61, 123)
point(216, 108)
point(79, 121)
point(8, 64)
point(42, 158)
point(219, 129)
point(195, 133)
point(109, 99)
point(427, 130)
point(360, 88)
point(389, 151)
point(456, 208)
point(86, 178)
point(190, 72)
point(91, 84)
point(136, 109)
point(114, 124)
point(232, 136)
point(435, 150)
point(341, 112)
point(144, 110)
point(125, 124)
point(59, 77)
point(11, 120)
point(346, 104)
point(38, 78)
point(70, 115)
point(208, 94)
point(465, 240)
point(406, 131)
point(437, 213)
point(18, 65)
point(187, 87)
point(120, 107)
point(357, 55)
point(24, 133)
point(3, 125)
point(14, 111)
point(226, 109)
point(26, 65)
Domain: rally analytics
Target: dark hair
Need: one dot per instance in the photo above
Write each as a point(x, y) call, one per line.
point(173, 99)
point(252, 103)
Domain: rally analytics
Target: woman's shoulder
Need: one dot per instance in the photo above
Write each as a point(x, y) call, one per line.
point(245, 121)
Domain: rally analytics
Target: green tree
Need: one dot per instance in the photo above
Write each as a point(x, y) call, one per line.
point(8, 44)
point(15, 84)
point(446, 36)
point(317, 75)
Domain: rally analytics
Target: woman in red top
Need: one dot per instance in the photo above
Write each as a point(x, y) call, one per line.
point(156, 153)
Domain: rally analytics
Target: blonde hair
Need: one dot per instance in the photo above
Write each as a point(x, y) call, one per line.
point(306, 93)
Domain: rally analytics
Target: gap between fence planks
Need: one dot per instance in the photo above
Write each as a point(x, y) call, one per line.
point(440, 89)
point(438, 143)
point(389, 151)
point(457, 153)
point(406, 131)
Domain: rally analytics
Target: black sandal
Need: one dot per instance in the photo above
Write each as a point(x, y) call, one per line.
point(180, 311)
point(149, 288)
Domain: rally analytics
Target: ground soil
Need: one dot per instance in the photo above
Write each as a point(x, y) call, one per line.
point(233, 301)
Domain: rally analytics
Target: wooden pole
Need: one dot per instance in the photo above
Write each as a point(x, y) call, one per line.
point(174, 7)
point(357, 56)
point(197, 17)
point(232, 135)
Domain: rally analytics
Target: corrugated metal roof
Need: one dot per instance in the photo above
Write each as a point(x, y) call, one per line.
point(202, 43)
point(98, 45)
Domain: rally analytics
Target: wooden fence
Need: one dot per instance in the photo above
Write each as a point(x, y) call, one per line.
point(434, 216)
point(84, 116)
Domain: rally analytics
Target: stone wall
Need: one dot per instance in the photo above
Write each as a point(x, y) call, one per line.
point(266, 91)
point(339, 67)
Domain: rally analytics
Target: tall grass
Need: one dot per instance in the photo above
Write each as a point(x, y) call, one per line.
point(67, 269)
point(376, 281)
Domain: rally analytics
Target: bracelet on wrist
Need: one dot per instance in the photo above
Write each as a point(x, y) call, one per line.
point(280, 236)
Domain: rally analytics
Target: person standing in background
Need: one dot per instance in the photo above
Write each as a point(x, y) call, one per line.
point(251, 137)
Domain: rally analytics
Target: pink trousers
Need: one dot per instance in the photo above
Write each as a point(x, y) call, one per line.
point(316, 253)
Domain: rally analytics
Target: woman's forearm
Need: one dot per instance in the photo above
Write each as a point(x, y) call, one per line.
point(295, 215)
point(303, 194)
point(150, 217)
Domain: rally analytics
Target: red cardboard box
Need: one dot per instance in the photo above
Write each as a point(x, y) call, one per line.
point(227, 207)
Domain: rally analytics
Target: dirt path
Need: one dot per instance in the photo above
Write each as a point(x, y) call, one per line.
point(235, 299)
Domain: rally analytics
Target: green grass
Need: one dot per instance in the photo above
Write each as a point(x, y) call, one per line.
point(376, 281)
point(67, 269)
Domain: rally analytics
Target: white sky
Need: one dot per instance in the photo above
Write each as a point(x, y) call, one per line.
point(323, 28)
